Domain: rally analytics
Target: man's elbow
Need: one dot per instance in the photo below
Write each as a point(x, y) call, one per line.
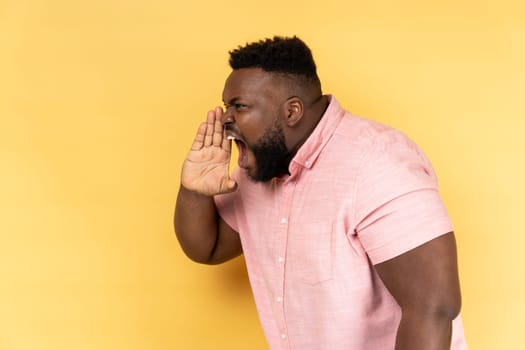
point(196, 251)
point(445, 308)
point(199, 257)
point(449, 308)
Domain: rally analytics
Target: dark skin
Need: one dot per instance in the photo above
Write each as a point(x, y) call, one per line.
point(424, 281)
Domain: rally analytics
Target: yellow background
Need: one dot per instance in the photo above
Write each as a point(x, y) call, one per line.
point(99, 101)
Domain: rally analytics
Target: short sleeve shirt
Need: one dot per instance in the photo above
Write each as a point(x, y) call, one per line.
point(359, 193)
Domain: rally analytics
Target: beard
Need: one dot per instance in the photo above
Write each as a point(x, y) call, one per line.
point(272, 157)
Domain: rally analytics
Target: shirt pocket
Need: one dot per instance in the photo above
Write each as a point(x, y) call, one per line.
point(311, 253)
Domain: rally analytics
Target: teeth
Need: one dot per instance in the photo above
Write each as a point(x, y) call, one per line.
point(231, 138)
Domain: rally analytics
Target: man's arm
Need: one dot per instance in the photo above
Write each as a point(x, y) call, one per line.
point(424, 281)
point(202, 234)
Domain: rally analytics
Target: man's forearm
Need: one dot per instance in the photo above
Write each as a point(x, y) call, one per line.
point(429, 332)
point(196, 224)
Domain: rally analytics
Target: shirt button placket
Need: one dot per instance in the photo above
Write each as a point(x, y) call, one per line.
point(286, 199)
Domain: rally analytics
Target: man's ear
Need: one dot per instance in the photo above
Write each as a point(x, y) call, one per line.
point(294, 109)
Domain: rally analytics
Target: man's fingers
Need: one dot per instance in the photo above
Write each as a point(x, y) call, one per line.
point(217, 128)
point(210, 122)
point(226, 144)
point(217, 133)
point(198, 143)
point(211, 132)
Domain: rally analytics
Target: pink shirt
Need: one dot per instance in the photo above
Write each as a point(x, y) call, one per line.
point(359, 193)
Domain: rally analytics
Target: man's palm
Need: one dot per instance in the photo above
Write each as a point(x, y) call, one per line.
point(206, 167)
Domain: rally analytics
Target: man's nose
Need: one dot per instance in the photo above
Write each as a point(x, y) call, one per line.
point(227, 117)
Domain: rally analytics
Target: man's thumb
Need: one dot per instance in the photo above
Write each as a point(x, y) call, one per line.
point(229, 185)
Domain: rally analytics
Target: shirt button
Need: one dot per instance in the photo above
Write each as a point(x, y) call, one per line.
point(307, 163)
point(291, 183)
point(279, 299)
point(280, 259)
point(283, 220)
point(283, 336)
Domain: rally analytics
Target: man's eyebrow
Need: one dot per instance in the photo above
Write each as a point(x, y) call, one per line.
point(232, 100)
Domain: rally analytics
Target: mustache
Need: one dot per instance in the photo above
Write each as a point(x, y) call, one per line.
point(230, 127)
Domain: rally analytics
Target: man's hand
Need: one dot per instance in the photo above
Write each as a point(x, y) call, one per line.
point(202, 234)
point(206, 167)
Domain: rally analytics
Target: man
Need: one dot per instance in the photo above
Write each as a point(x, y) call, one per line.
point(345, 237)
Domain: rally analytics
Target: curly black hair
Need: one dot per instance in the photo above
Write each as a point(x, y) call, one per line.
point(281, 55)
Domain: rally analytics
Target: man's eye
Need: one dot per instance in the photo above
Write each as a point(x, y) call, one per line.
point(237, 106)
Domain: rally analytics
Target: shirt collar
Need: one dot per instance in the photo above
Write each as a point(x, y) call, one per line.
point(310, 150)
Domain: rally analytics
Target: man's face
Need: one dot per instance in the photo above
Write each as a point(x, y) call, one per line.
point(254, 111)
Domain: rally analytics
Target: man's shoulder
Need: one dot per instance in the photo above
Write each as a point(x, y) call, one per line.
point(368, 133)
point(356, 134)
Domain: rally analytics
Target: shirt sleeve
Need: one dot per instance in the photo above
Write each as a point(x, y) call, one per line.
point(398, 203)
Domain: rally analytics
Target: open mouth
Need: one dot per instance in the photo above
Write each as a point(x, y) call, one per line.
point(243, 154)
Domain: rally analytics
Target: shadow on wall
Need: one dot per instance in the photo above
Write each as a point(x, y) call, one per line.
point(234, 273)
point(232, 278)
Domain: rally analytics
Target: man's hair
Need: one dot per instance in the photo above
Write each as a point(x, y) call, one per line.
point(280, 55)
